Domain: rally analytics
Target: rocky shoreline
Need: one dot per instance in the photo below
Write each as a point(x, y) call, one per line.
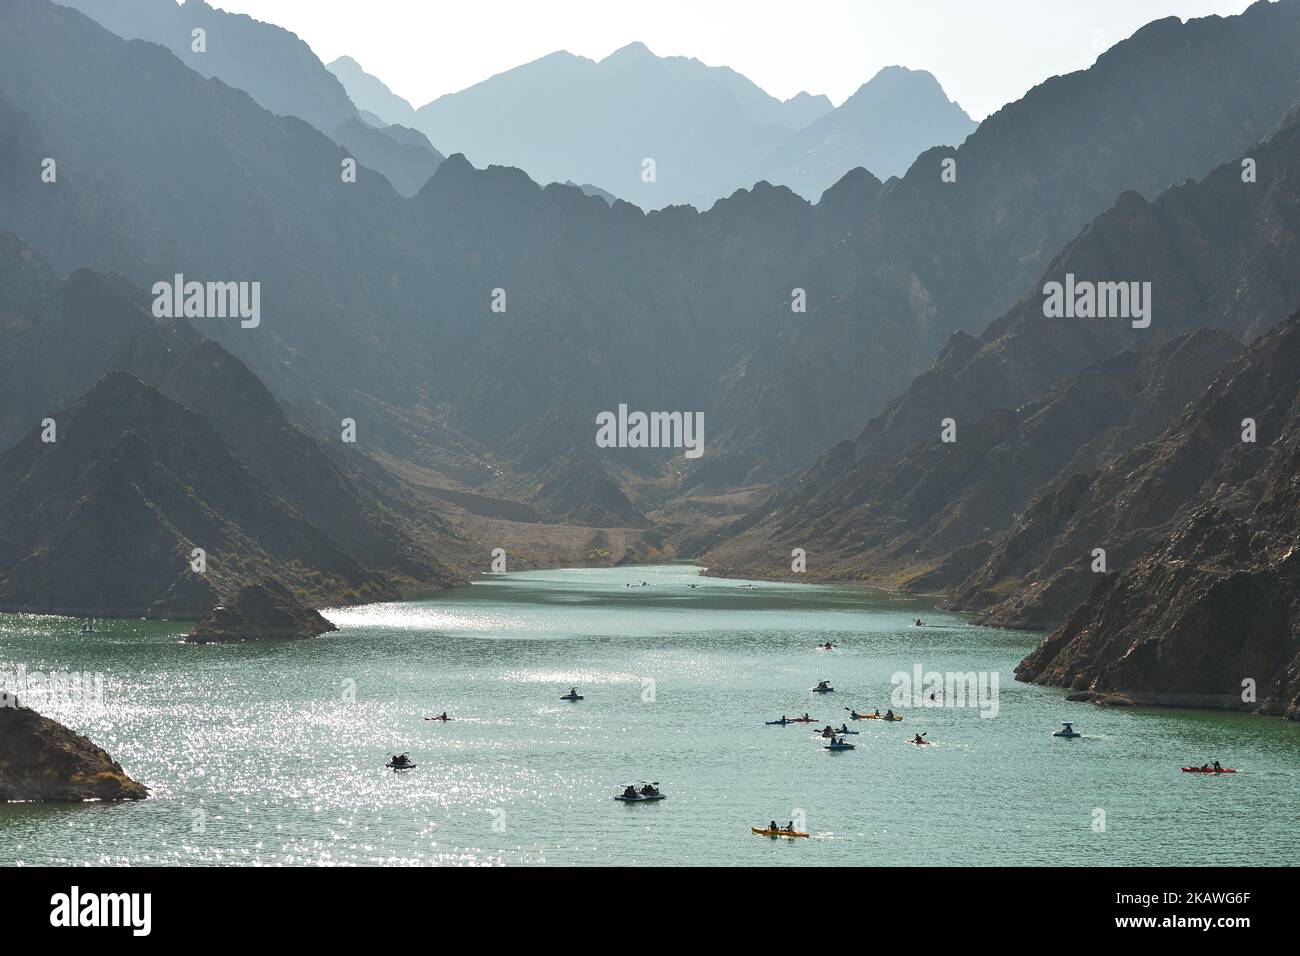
point(266, 610)
point(42, 760)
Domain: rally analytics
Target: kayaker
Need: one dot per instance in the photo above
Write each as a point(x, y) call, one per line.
point(877, 712)
point(889, 714)
point(917, 739)
point(1217, 768)
point(844, 728)
point(789, 827)
point(918, 623)
point(806, 717)
point(772, 827)
point(855, 715)
point(1205, 768)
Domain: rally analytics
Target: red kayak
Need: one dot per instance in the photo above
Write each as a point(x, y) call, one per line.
point(1211, 770)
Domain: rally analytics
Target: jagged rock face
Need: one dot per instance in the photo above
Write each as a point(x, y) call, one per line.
point(1040, 568)
point(1215, 601)
point(41, 759)
point(259, 612)
point(1188, 625)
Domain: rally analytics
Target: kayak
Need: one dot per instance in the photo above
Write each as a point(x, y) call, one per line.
point(764, 831)
point(639, 799)
point(793, 720)
point(440, 718)
point(838, 747)
point(838, 733)
point(889, 718)
point(853, 716)
point(1062, 733)
point(823, 690)
point(1211, 770)
point(920, 743)
point(572, 697)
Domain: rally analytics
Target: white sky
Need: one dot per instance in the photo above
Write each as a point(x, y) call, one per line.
point(986, 53)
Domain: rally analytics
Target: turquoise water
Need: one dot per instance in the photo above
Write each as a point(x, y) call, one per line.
point(273, 753)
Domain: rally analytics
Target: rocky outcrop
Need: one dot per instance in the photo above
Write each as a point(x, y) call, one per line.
point(40, 759)
point(1209, 615)
point(1206, 621)
point(266, 611)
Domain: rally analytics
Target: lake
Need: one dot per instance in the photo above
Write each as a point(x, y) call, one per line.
point(274, 753)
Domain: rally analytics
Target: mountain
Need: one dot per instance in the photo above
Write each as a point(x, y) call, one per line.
point(935, 507)
point(936, 257)
point(380, 309)
point(404, 156)
point(565, 117)
point(104, 520)
point(370, 94)
point(277, 69)
point(897, 504)
point(1214, 600)
point(61, 337)
point(883, 127)
point(269, 63)
point(377, 308)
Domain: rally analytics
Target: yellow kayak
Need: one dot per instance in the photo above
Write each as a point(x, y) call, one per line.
point(776, 833)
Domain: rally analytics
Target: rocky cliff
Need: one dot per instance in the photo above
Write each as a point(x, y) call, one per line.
point(1209, 615)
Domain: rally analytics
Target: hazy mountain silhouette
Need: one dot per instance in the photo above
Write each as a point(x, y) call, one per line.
point(566, 117)
point(269, 63)
point(370, 94)
point(273, 66)
point(882, 127)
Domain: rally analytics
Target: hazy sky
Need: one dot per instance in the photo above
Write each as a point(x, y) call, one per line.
point(985, 54)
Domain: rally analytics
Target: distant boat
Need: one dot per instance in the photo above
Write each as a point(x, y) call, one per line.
point(88, 626)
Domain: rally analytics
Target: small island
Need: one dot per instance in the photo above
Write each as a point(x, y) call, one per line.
point(266, 610)
point(40, 759)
